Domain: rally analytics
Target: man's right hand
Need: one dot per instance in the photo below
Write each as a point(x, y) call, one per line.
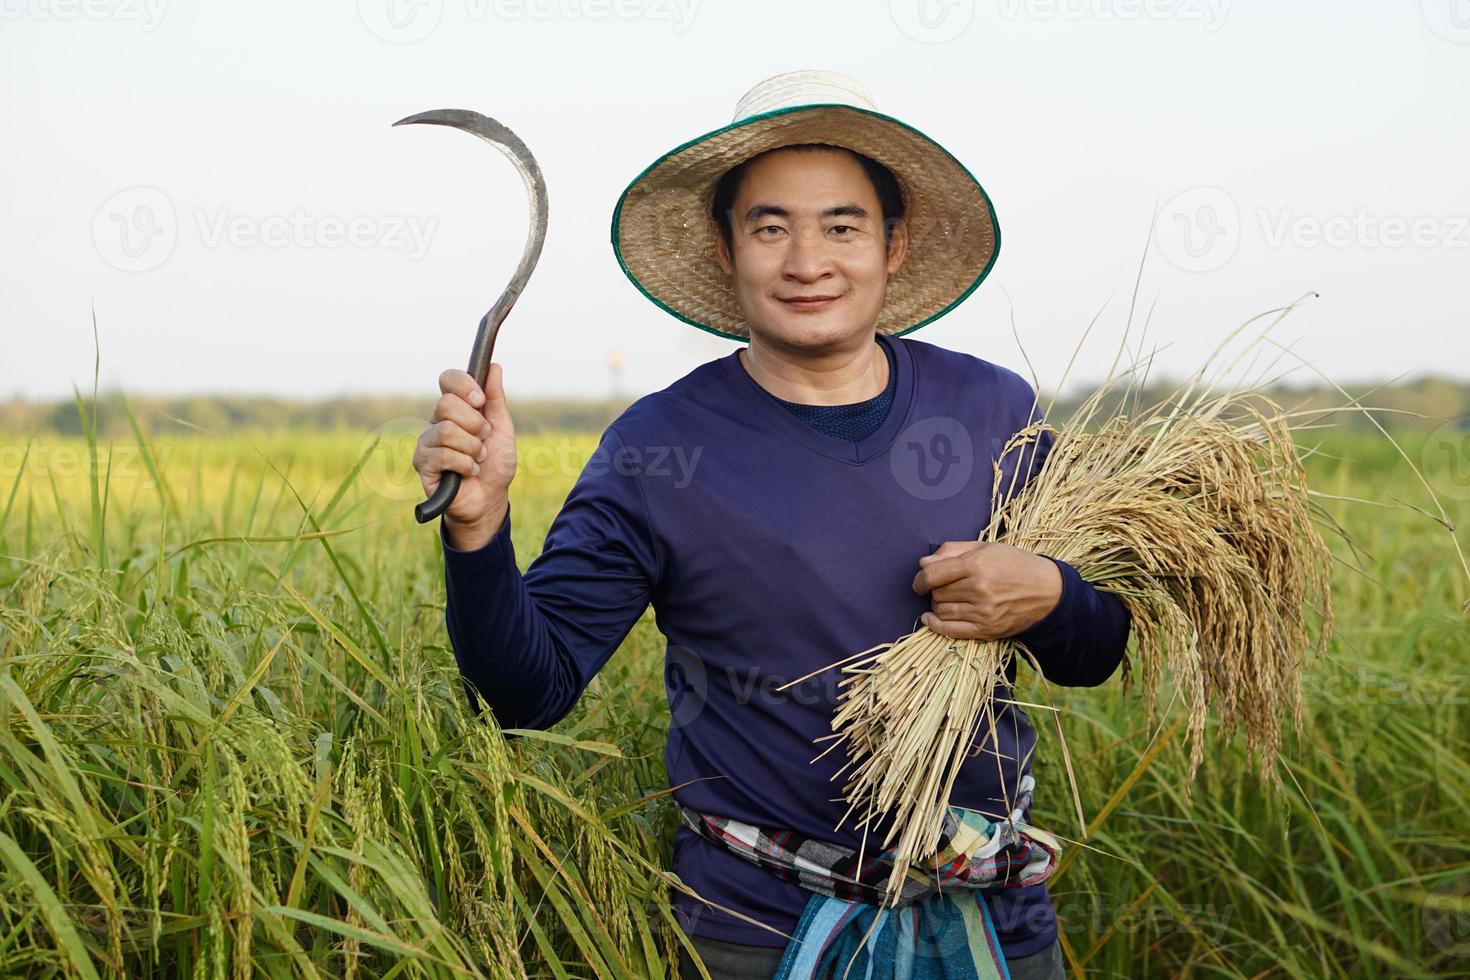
point(470, 434)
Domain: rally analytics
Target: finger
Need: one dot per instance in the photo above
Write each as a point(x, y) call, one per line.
point(955, 629)
point(950, 549)
point(456, 382)
point(962, 590)
point(443, 460)
point(955, 611)
point(462, 413)
point(449, 435)
point(942, 572)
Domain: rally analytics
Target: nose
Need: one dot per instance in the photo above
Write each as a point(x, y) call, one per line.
point(807, 258)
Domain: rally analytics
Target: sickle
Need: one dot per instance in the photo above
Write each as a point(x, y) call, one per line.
point(510, 144)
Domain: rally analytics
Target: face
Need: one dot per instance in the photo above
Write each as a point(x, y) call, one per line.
point(809, 264)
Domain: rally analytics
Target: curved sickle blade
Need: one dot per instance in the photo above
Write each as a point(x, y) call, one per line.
point(497, 135)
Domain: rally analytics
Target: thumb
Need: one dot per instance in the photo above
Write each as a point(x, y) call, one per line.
point(496, 412)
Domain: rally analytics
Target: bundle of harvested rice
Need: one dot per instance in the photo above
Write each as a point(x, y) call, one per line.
point(1195, 512)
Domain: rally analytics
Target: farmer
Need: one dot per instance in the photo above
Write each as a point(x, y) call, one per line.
point(803, 498)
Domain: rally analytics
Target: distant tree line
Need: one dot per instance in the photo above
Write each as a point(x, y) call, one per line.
point(1426, 403)
point(225, 414)
point(1423, 403)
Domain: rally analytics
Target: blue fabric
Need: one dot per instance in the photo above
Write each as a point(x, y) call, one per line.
point(768, 550)
point(944, 937)
point(936, 925)
point(856, 421)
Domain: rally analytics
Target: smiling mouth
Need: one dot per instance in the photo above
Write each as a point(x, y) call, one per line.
point(811, 302)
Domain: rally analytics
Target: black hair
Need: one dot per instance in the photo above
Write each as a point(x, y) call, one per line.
point(885, 185)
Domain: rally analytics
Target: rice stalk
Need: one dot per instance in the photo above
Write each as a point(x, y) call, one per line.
point(1195, 512)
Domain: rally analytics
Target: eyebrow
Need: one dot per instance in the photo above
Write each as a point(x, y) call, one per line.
point(776, 211)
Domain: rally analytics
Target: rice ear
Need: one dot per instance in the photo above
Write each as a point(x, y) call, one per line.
point(1196, 513)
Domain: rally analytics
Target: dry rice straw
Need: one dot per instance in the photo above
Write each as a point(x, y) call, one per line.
point(1196, 513)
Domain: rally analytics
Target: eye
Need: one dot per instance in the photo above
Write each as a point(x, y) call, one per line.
point(841, 228)
point(769, 228)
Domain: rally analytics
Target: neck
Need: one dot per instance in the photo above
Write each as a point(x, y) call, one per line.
point(853, 372)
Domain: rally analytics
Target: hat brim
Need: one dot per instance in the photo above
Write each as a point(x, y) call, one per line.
point(664, 243)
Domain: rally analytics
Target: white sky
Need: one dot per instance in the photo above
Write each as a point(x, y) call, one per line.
point(1331, 141)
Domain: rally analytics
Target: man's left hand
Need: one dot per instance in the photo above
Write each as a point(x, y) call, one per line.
point(985, 590)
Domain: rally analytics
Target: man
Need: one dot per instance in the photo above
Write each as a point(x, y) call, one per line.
point(783, 507)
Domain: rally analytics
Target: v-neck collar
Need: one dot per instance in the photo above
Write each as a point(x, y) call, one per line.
point(803, 432)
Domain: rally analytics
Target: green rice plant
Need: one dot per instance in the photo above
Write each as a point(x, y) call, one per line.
point(213, 764)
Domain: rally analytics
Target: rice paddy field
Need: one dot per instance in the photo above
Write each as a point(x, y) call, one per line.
point(234, 743)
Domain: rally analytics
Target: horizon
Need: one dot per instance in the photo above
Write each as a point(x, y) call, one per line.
point(1070, 391)
point(262, 230)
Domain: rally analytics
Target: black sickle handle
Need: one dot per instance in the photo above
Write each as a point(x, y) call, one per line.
point(484, 348)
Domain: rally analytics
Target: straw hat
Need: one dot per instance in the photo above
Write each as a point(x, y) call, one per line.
point(665, 241)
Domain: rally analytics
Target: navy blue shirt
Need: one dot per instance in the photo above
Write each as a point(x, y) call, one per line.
point(855, 421)
point(770, 549)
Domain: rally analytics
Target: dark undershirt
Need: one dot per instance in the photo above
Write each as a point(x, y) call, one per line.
point(856, 421)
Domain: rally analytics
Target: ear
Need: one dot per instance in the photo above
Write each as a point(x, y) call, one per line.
point(722, 251)
point(898, 245)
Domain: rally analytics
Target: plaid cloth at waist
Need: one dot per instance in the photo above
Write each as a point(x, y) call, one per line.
point(939, 926)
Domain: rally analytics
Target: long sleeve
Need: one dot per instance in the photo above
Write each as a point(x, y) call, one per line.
point(1081, 642)
point(529, 644)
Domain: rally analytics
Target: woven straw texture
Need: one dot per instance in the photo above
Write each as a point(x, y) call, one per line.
point(664, 235)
